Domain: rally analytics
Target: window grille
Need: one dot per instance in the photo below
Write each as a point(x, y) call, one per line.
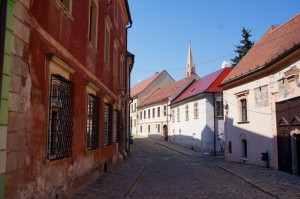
point(116, 126)
point(60, 131)
point(107, 124)
point(92, 127)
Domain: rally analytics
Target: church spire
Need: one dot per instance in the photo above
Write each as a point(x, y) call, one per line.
point(190, 66)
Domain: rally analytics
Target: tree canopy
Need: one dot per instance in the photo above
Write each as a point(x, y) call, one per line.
point(244, 47)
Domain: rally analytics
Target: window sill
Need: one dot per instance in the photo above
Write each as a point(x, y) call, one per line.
point(245, 122)
point(221, 116)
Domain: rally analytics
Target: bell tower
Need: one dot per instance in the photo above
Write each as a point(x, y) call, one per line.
point(190, 66)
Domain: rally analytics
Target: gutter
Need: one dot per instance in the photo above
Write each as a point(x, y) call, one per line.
point(3, 10)
point(265, 66)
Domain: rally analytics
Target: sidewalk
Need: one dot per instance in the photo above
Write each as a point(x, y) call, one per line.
point(276, 183)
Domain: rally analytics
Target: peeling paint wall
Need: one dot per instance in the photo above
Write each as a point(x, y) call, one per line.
point(40, 28)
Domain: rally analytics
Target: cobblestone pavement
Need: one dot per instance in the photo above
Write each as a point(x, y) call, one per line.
point(159, 169)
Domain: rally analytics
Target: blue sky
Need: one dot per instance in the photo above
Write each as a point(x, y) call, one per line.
point(162, 30)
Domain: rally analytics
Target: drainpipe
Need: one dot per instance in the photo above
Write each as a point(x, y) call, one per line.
point(2, 38)
point(127, 146)
point(215, 153)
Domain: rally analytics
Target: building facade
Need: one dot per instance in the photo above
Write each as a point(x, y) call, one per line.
point(154, 111)
point(261, 97)
point(68, 95)
point(197, 115)
point(6, 14)
point(141, 91)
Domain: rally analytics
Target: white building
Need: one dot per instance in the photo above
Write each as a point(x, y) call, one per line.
point(141, 91)
point(262, 102)
point(197, 115)
point(154, 111)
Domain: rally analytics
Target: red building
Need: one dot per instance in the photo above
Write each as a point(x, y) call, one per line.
point(68, 95)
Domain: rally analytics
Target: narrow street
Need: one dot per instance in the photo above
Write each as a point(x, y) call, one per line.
point(156, 170)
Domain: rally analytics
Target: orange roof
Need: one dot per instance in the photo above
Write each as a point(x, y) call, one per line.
point(139, 87)
point(166, 92)
point(277, 42)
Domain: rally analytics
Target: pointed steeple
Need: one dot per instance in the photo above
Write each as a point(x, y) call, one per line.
point(190, 66)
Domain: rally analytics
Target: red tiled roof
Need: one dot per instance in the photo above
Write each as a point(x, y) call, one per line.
point(165, 92)
point(275, 43)
point(208, 83)
point(139, 87)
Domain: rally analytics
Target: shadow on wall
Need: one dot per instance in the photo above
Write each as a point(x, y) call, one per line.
point(248, 147)
point(206, 145)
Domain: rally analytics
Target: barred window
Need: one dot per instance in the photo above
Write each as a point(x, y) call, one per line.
point(92, 123)
point(60, 130)
point(116, 126)
point(107, 124)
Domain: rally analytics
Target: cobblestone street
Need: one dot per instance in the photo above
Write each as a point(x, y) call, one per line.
point(158, 169)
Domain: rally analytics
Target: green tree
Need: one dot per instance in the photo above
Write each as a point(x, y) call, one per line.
point(244, 47)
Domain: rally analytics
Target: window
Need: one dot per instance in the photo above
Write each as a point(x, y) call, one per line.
point(148, 113)
point(134, 107)
point(92, 123)
point(141, 129)
point(141, 115)
point(244, 148)
point(60, 117)
point(261, 96)
point(244, 110)
point(131, 108)
point(196, 110)
point(158, 111)
point(165, 110)
point(187, 112)
point(219, 107)
point(144, 114)
point(134, 122)
point(116, 126)
point(116, 57)
point(116, 12)
point(148, 128)
point(178, 115)
point(66, 4)
point(153, 113)
point(107, 43)
point(229, 147)
point(107, 124)
point(173, 115)
point(122, 70)
point(158, 128)
point(242, 103)
point(93, 23)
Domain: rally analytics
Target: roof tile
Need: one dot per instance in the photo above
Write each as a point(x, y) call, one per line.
point(276, 41)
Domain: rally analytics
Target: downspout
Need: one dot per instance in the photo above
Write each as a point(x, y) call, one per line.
point(2, 39)
point(215, 153)
point(127, 146)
